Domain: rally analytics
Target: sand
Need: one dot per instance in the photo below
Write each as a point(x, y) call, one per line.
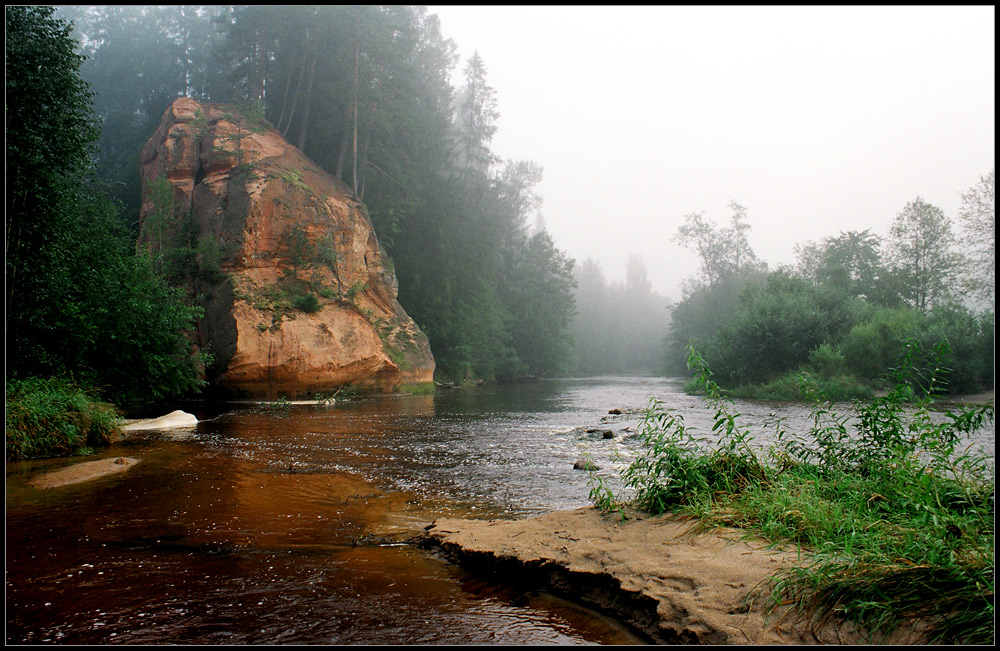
point(82, 472)
point(658, 574)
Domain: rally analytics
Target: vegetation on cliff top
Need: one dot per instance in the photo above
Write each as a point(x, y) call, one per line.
point(897, 518)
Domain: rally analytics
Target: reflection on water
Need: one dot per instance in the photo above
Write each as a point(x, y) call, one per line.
point(255, 528)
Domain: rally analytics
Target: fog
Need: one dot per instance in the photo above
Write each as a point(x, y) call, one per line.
point(816, 119)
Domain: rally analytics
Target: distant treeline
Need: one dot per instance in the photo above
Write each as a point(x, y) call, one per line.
point(619, 328)
point(366, 92)
point(846, 310)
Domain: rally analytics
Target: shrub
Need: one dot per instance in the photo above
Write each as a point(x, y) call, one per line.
point(827, 361)
point(871, 347)
point(51, 417)
point(308, 303)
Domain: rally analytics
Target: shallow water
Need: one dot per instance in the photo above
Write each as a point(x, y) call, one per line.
point(268, 525)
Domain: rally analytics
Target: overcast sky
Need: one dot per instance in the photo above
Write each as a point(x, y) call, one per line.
point(816, 119)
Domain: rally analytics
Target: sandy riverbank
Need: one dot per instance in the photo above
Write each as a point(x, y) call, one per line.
point(657, 574)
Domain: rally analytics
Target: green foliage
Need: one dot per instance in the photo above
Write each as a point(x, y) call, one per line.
point(896, 519)
point(208, 259)
point(80, 301)
point(755, 333)
point(357, 288)
point(160, 221)
point(539, 295)
point(283, 298)
point(298, 248)
point(827, 361)
point(800, 386)
point(920, 248)
point(725, 252)
point(293, 177)
point(843, 313)
point(766, 330)
point(871, 347)
point(977, 237)
point(50, 417)
point(775, 329)
point(971, 340)
point(696, 320)
point(308, 303)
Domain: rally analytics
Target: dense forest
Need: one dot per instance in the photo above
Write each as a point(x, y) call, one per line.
point(81, 302)
point(850, 307)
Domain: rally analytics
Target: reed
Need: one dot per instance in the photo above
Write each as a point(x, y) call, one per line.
point(896, 519)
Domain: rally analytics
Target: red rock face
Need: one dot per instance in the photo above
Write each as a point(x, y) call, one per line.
point(299, 297)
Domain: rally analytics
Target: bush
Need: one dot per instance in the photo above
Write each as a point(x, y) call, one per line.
point(51, 417)
point(871, 347)
point(308, 303)
point(971, 340)
point(827, 361)
point(773, 329)
point(803, 387)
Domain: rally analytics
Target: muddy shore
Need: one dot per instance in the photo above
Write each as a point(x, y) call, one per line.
point(671, 583)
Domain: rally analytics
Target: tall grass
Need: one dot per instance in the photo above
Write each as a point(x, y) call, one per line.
point(898, 520)
point(53, 417)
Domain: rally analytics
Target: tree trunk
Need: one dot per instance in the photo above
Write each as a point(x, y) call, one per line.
point(298, 87)
point(308, 100)
point(357, 58)
point(342, 157)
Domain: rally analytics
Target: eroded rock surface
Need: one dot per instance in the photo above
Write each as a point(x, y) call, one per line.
point(299, 297)
point(658, 574)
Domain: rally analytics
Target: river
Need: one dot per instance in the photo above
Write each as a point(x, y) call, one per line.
point(277, 524)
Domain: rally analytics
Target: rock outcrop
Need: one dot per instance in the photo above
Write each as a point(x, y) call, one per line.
point(298, 296)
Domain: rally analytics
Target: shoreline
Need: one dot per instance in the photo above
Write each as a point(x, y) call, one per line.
point(659, 575)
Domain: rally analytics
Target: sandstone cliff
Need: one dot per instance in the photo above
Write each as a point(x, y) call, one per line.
point(299, 297)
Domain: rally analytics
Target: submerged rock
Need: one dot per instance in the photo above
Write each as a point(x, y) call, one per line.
point(81, 472)
point(174, 419)
point(299, 298)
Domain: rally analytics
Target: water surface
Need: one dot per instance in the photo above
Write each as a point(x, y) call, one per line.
point(270, 525)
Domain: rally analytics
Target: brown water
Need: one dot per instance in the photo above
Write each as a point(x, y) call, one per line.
point(271, 525)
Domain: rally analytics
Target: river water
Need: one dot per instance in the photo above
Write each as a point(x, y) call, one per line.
point(275, 524)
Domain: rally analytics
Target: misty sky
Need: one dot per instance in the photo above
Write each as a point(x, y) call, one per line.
point(816, 119)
